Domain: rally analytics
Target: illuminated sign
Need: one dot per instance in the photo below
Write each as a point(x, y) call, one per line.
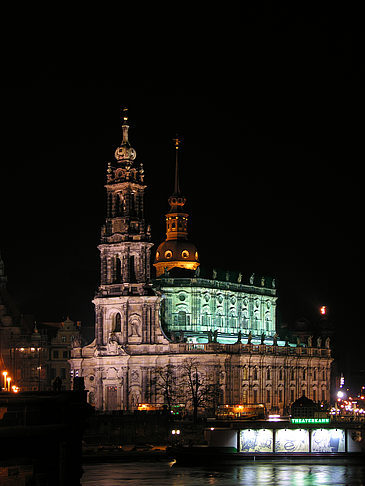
point(310, 420)
point(292, 440)
point(328, 440)
point(256, 440)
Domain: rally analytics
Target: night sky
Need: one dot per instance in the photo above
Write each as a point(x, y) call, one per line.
point(271, 122)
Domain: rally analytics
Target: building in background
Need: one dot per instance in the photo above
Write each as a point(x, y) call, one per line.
point(220, 326)
point(36, 359)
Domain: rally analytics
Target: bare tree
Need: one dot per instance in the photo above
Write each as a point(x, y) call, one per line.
point(165, 384)
point(197, 388)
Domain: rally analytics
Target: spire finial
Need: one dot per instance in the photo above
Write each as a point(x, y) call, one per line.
point(177, 186)
point(125, 115)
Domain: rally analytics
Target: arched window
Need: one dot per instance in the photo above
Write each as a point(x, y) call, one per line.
point(245, 374)
point(268, 375)
point(117, 322)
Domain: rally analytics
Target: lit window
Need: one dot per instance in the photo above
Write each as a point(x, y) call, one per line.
point(157, 255)
point(168, 254)
point(185, 254)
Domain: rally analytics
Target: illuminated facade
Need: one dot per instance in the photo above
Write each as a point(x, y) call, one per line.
point(227, 326)
point(201, 306)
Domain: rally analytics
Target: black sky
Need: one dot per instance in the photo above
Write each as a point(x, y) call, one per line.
point(270, 118)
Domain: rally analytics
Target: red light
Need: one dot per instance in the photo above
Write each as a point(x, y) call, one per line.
point(323, 310)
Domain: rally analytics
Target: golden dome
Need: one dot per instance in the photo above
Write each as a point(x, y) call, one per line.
point(176, 253)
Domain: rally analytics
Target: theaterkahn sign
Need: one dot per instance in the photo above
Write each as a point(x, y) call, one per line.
point(310, 420)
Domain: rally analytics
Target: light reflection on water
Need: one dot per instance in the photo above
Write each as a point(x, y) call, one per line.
point(162, 474)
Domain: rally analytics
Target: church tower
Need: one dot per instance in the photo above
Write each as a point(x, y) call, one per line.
point(176, 250)
point(126, 306)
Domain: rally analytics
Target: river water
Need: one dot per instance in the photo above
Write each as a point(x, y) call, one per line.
point(166, 474)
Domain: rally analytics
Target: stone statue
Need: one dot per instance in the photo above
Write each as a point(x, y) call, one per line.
point(239, 278)
point(214, 273)
point(298, 341)
point(252, 279)
point(327, 343)
point(273, 283)
point(215, 336)
point(319, 342)
point(197, 272)
point(262, 281)
point(239, 337)
point(75, 342)
point(210, 336)
point(310, 343)
point(249, 338)
point(263, 336)
point(227, 276)
point(275, 339)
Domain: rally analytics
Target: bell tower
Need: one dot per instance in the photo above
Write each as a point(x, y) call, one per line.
point(126, 306)
point(176, 250)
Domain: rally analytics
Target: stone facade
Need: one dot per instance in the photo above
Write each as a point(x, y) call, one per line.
point(227, 329)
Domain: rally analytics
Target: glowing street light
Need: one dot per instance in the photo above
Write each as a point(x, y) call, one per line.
point(4, 375)
point(8, 379)
point(323, 310)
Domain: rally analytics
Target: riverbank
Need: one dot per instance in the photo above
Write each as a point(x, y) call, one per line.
point(126, 453)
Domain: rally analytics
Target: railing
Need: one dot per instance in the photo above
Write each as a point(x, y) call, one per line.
point(239, 348)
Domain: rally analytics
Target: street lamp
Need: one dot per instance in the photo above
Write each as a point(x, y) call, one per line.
point(8, 379)
point(4, 375)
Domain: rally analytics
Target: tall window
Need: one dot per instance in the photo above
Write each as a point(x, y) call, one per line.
point(268, 374)
point(182, 318)
point(118, 270)
point(255, 373)
point(132, 270)
point(117, 323)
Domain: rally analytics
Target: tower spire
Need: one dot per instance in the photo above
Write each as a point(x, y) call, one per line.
point(177, 185)
point(125, 153)
point(176, 250)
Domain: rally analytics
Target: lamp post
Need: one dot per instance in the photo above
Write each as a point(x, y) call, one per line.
point(4, 375)
point(8, 379)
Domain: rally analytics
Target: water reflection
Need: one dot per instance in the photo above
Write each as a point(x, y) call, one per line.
point(163, 474)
